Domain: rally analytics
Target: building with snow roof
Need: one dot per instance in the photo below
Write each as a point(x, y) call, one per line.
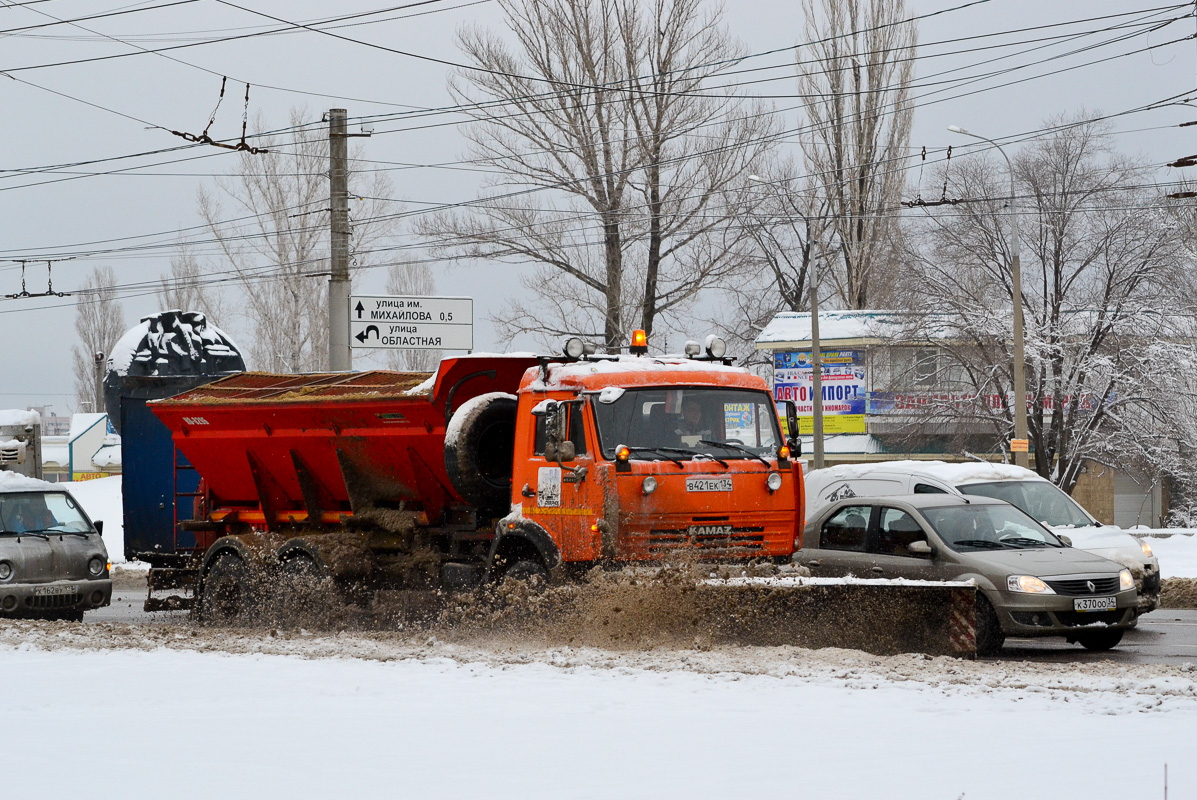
point(884, 373)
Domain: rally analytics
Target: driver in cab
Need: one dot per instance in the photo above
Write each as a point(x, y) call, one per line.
point(690, 429)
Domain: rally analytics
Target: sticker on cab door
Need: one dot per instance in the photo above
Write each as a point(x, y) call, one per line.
point(548, 487)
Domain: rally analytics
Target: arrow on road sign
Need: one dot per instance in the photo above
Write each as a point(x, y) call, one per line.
point(360, 308)
point(364, 335)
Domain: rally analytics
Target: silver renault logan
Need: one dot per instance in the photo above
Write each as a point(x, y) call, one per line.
point(53, 563)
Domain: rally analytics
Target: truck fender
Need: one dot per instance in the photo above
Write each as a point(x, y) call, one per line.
point(302, 548)
point(524, 531)
point(225, 544)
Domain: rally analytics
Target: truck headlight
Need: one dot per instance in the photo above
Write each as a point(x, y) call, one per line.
point(1027, 584)
point(5, 570)
point(95, 566)
point(1125, 580)
point(773, 481)
point(1146, 548)
point(649, 485)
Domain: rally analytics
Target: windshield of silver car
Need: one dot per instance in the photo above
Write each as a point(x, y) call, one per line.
point(988, 527)
point(680, 423)
point(40, 512)
point(1042, 500)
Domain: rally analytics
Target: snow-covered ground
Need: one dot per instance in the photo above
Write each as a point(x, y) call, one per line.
point(102, 500)
point(302, 716)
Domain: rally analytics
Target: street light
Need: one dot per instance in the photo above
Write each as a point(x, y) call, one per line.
point(816, 354)
point(1021, 456)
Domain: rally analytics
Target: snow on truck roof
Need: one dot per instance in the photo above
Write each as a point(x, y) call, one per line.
point(16, 482)
point(597, 373)
point(19, 418)
point(952, 474)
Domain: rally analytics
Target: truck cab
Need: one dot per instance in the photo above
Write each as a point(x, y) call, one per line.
point(635, 457)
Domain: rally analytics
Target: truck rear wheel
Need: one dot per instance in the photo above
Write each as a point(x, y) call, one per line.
point(227, 595)
point(532, 573)
point(479, 448)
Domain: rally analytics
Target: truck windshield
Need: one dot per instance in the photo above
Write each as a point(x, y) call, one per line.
point(995, 527)
point(44, 512)
point(680, 423)
point(1042, 500)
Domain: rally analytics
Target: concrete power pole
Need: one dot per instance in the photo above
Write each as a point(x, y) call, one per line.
point(98, 359)
point(340, 357)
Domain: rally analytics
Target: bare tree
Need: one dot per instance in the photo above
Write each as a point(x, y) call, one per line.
point(601, 103)
point(99, 322)
point(412, 279)
point(854, 79)
point(276, 245)
point(1100, 263)
point(185, 287)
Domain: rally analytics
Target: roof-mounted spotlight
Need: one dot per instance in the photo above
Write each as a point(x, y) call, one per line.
point(716, 347)
point(639, 345)
point(693, 349)
point(573, 347)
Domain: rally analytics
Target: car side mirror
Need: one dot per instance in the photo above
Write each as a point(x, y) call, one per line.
point(1067, 542)
point(920, 548)
point(99, 526)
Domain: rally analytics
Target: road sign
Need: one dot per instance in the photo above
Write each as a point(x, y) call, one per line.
point(1019, 446)
point(411, 323)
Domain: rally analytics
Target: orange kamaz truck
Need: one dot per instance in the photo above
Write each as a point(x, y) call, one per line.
point(497, 466)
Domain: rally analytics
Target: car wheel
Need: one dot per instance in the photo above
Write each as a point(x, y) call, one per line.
point(1101, 640)
point(990, 637)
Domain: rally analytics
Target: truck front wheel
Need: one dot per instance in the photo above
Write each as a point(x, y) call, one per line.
point(530, 572)
point(227, 594)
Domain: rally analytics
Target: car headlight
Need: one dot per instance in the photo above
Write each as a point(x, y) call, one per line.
point(649, 485)
point(1125, 580)
point(96, 566)
point(1028, 584)
point(1146, 548)
point(5, 570)
point(773, 481)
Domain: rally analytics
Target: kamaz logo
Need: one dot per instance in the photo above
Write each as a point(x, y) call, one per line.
point(710, 530)
point(195, 420)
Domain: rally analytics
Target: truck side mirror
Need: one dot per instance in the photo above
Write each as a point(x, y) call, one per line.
point(566, 451)
point(793, 441)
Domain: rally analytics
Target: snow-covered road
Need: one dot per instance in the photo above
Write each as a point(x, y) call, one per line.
point(163, 716)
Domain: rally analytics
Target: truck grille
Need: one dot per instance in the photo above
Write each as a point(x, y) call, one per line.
point(738, 539)
point(1080, 586)
point(53, 601)
point(10, 455)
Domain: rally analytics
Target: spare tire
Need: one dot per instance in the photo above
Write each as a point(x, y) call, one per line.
point(479, 448)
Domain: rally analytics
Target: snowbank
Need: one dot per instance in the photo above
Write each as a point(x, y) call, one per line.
point(1177, 554)
point(101, 498)
point(438, 727)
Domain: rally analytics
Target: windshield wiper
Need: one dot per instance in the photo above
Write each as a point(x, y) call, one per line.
point(659, 450)
point(980, 543)
point(695, 454)
point(19, 534)
point(734, 446)
point(1025, 541)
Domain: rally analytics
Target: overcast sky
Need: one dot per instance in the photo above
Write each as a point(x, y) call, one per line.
point(67, 209)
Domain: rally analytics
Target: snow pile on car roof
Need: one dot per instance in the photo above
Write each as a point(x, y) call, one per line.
point(953, 474)
point(561, 375)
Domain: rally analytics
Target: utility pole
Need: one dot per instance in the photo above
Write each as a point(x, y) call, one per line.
point(340, 357)
point(99, 362)
point(816, 365)
point(1021, 457)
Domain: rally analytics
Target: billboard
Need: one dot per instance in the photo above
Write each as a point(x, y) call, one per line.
point(844, 388)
